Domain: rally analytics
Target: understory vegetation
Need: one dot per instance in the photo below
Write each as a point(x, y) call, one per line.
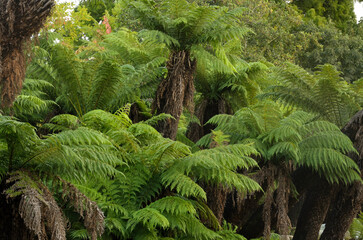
point(148, 119)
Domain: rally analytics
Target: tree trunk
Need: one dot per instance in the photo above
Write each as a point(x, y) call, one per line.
point(19, 20)
point(314, 210)
point(175, 92)
point(205, 111)
point(216, 200)
point(343, 211)
point(348, 199)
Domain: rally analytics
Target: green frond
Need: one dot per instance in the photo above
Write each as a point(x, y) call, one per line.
point(216, 165)
point(155, 36)
point(144, 133)
point(332, 164)
point(184, 185)
point(125, 139)
point(156, 119)
point(105, 121)
point(150, 217)
point(106, 83)
point(62, 122)
point(28, 105)
point(323, 93)
point(174, 205)
point(79, 234)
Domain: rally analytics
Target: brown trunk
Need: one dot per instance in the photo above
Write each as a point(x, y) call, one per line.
point(13, 73)
point(175, 92)
point(343, 211)
point(205, 111)
point(349, 199)
point(195, 131)
point(314, 210)
point(19, 20)
point(217, 196)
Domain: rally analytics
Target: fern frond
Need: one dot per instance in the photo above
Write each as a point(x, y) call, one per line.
point(150, 217)
point(174, 205)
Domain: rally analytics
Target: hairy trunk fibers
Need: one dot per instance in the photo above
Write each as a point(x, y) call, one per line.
point(216, 200)
point(19, 20)
point(348, 199)
point(241, 210)
point(314, 210)
point(344, 209)
point(205, 111)
point(13, 73)
point(175, 92)
point(283, 224)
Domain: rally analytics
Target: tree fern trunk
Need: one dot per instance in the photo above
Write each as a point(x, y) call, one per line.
point(175, 92)
point(349, 199)
point(314, 210)
point(216, 200)
point(343, 211)
point(205, 111)
point(19, 20)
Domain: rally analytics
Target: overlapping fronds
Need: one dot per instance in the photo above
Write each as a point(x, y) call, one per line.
point(62, 122)
point(324, 92)
point(216, 165)
point(248, 122)
point(319, 145)
point(105, 121)
point(123, 71)
point(181, 25)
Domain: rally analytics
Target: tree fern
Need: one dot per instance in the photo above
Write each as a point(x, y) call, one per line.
point(323, 93)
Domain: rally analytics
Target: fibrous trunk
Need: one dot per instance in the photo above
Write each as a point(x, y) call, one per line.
point(314, 210)
point(175, 92)
point(205, 111)
point(19, 20)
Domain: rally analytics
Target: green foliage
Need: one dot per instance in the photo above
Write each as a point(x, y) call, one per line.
point(334, 47)
point(181, 25)
point(356, 228)
point(154, 180)
point(318, 145)
point(323, 93)
point(341, 12)
point(125, 70)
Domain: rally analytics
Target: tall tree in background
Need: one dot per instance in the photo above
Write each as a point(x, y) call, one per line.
point(19, 20)
point(340, 11)
point(190, 32)
point(97, 8)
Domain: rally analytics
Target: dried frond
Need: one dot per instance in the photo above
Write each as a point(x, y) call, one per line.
point(89, 211)
point(37, 207)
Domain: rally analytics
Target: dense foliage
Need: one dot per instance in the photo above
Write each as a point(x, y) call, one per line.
point(148, 119)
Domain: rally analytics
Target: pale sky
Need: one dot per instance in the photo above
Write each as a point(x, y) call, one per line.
point(358, 7)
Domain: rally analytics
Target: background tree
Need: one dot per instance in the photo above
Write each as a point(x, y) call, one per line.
point(340, 12)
